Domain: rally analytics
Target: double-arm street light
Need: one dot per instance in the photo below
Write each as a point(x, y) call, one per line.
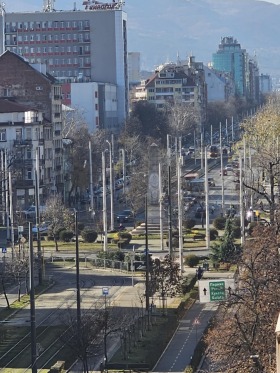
point(111, 185)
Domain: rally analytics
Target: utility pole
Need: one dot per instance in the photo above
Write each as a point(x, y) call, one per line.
point(111, 185)
point(180, 217)
point(160, 207)
point(32, 303)
point(222, 170)
point(241, 202)
point(91, 177)
point(11, 214)
point(105, 228)
point(37, 204)
point(78, 274)
point(147, 256)
point(207, 202)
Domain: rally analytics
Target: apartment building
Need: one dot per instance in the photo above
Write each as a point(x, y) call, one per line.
point(182, 83)
point(31, 121)
point(77, 46)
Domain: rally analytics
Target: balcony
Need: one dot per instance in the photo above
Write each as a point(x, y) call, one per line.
point(22, 142)
point(57, 150)
point(57, 115)
point(41, 141)
point(23, 183)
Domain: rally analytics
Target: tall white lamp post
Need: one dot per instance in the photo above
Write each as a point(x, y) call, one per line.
point(111, 186)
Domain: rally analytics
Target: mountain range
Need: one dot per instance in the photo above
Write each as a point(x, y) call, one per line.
point(162, 30)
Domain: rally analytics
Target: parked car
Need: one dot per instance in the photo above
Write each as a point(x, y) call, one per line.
point(229, 167)
point(30, 213)
point(124, 216)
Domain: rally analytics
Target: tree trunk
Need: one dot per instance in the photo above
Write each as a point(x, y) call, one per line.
point(56, 245)
point(5, 294)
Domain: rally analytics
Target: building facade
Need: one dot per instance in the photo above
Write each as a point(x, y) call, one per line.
point(37, 128)
point(231, 58)
point(76, 46)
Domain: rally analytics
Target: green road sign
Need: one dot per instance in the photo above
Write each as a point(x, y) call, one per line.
point(217, 290)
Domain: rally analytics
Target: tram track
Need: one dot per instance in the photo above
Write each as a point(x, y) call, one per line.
point(21, 348)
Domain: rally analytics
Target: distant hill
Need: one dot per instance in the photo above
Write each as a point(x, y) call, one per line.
point(159, 29)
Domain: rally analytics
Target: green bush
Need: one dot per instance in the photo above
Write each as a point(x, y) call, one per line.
point(213, 234)
point(189, 223)
point(89, 235)
point(125, 236)
point(191, 260)
point(236, 231)
point(175, 242)
point(65, 235)
point(220, 223)
point(188, 283)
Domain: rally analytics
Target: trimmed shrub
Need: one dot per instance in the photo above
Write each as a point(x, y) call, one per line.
point(189, 223)
point(65, 236)
point(236, 231)
point(220, 223)
point(191, 260)
point(213, 234)
point(89, 235)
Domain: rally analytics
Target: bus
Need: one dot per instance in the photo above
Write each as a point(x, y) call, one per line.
point(213, 151)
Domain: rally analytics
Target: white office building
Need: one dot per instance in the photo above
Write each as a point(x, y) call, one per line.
point(77, 46)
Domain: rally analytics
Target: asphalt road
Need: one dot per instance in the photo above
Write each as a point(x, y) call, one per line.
point(177, 356)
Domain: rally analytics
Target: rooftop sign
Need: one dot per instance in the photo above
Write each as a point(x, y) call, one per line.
point(97, 5)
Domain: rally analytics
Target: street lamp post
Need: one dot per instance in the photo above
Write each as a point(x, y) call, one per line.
point(111, 185)
point(105, 228)
point(77, 273)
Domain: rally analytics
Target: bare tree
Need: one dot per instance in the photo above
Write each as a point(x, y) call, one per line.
point(165, 278)
point(244, 326)
point(58, 217)
point(182, 118)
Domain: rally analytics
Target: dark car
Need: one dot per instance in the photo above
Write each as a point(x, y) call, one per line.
point(124, 216)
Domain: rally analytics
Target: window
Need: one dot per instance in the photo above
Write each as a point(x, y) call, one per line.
point(29, 174)
point(38, 37)
point(62, 49)
point(69, 37)
point(50, 38)
point(75, 37)
point(61, 24)
point(28, 134)
point(62, 36)
point(2, 134)
point(56, 37)
point(28, 154)
point(20, 38)
point(19, 134)
point(25, 38)
point(69, 49)
point(32, 50)
point(56, 49)
point(50, 49)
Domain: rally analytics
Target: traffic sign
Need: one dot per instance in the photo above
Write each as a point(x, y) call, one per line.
point(105, 291)
point(196, 321)
point(215, 290)
point(4, 250)
point(20, 228)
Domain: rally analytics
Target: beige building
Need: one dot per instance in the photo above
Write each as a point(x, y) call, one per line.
point(31, 121)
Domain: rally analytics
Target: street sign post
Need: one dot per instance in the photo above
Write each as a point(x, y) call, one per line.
point(215, 290)
point(4, 250)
